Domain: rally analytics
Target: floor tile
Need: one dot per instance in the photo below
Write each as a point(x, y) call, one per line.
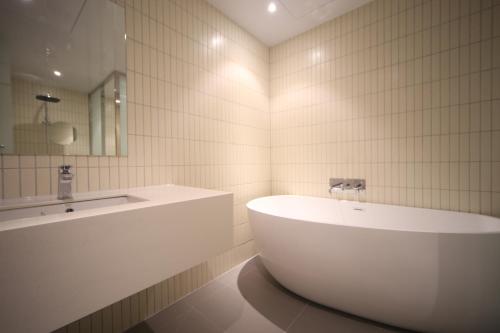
point(194, 322)
point(224, 307)
point(230, 278)
point(142, 327)
point(190, 321)
point(278, 305)
point(169, 318)
point(319, 319)
point(204, 292)
point(252, 321)
point(232, 313)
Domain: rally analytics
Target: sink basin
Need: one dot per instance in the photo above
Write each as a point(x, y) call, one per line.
point(41, 209)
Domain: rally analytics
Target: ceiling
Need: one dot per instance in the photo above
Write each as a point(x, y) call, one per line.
point(291, 18)
point(83, 39)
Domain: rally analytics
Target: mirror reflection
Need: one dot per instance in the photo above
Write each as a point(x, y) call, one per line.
point(62, 77)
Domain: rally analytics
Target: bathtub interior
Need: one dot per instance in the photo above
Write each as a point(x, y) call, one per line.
point(369, 215)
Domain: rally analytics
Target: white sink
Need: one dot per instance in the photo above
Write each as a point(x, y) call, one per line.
point(58, 207)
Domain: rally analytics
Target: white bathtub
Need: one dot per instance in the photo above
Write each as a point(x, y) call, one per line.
point(420, 269)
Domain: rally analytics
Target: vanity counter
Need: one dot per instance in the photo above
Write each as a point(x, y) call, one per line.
point(61, 267)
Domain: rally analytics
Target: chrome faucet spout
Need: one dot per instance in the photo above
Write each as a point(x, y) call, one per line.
point(338, 186)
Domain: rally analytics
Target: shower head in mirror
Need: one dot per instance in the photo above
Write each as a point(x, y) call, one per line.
point(48, 98)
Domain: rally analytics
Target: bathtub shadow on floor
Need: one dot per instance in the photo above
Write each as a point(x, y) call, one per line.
point(247, 299)
point(293, 313)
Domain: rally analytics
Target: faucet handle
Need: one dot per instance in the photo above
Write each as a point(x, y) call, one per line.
point(66, 168)
point(336, 184)
point(359, 184)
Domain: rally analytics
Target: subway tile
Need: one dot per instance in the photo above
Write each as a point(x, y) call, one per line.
point(475, 147)
point(70, 160)
point(485, 185)
point(56, 161)
point(81, 161)
point(495, 177)
point(10, 161)
point(11, 183)
point(495, 146)
point(54, 177)
point(495, 85)
point(42, 181)
point(495, 204)
point(27, 161)
point(28, 182)
point(495, 115)
point(475, 117)
point(486, 54)
point(82, 179)
point(486, 145)
point(486, 23)
point(42, 161)
point(93, 161)
point(94, 179)
point(496, 21)
point(485, 203)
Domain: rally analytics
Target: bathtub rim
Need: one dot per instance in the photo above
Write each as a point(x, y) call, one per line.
point(251, 205)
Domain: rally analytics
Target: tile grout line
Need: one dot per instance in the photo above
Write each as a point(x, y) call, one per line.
point(19, 171)
point(1, 176)
point(35, 168)
point(210, 321)
point(297, 317)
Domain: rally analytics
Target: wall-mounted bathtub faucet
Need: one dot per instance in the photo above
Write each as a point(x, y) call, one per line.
point(336, 184)
point(65, 179)
point(359, 184)
point(343, 184)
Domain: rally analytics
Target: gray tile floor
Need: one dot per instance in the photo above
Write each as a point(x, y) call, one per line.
point(248, 299)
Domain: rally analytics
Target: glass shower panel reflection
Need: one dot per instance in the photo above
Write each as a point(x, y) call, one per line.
point(95, 101)
point(110, 108)
point(108, 114)
point(123, 128)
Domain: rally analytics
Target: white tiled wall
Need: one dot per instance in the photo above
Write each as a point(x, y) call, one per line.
point(198, 115)
point(403, 93)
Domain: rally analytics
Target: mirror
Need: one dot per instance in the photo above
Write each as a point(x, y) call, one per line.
point(62, 77)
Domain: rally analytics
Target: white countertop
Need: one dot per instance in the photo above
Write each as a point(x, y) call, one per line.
point(150, 196)
point(60, 267)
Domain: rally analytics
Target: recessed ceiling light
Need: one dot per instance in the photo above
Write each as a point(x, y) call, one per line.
point(271, 8)
point(57, 73)
point(117, 101)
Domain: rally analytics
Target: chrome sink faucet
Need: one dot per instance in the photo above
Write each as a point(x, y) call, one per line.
point(64, 190)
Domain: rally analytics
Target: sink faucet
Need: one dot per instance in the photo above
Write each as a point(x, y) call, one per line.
point(65, 180)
